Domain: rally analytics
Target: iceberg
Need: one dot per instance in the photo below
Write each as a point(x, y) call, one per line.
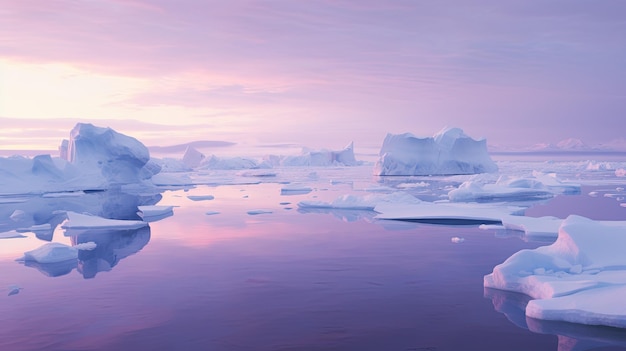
point(111, 156)
point(94, 158)
point(448, 152)
point(318, 158)
point(580, 278)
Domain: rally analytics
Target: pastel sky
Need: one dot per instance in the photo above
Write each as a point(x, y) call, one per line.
point(314, 72)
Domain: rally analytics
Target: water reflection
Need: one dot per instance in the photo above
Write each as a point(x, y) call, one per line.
point(571, 336)
point(112, 247)
point(42, 215)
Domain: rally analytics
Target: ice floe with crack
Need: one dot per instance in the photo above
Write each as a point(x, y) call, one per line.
point(580, 278)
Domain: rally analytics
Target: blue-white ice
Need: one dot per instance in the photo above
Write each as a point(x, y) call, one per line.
point(112, 176)
point(580, 278)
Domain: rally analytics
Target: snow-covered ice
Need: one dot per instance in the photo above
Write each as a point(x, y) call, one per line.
point(539, 186)
point(55, 252)
point(450, 213)
point(356, 202)
point(448, 152)
point(154, 211)
point(580, 278)
point(83, 221)
point(11, 234)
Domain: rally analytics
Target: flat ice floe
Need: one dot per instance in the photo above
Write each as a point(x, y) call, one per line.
point(450, 213)
point(295, 189)
point(359, 203)
point(200, 197)
point(55, 252)
point(580, 278)
point(154, 211)
point(258, 212)
point(83, 221)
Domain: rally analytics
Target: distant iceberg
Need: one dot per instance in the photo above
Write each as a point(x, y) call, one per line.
point(446, 153)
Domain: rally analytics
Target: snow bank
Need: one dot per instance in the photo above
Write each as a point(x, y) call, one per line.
point(448, 152)
point(580, 278)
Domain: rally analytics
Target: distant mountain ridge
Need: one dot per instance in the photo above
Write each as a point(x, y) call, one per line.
point(570, 145)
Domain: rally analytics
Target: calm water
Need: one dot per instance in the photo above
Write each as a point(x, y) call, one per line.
point(286, 280)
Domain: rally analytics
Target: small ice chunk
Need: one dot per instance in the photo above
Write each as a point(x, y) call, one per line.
point(210, 213)
point(295, 189)
point(83, 221)
point(491, 226)
point(593, 193)
point(257, 212)
point(88, 246)
point(457, 240)
point(14, 289)
point(621, 172)
point(200, 197)
point(51, 253)
point(154, 211)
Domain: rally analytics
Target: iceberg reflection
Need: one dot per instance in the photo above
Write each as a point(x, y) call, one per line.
point(112, 247)
point(571, 336)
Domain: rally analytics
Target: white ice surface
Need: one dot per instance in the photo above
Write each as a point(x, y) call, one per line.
point(580, 278)
point(55, 252)
point(154, 210)
point(445, 211)
point(448, 152)
point(83, 221)
point(356, 202)
point(295, 189)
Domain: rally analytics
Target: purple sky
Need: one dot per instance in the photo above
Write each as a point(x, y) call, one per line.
point(319, 73)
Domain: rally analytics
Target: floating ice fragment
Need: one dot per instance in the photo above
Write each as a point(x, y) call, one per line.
point(51, 253)
point(580, 278)
point(14, 289)
point(200, 197)
point(295, 189)
point(154, 211)
point(83, 221)
point(621, 172)
point(257, 212)
point(210, 213)
point(457, 240)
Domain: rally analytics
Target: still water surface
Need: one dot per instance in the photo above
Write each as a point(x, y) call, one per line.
point(286, 280)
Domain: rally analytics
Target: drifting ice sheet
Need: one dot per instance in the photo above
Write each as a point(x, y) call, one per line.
point(55, 252)
point(460, 213)
point(580, 278)
point(82, 221)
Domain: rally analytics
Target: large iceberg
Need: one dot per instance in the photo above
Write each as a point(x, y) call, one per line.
point(93, 158)
point(580, 278)
point(113, 157)
point(446, 153)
